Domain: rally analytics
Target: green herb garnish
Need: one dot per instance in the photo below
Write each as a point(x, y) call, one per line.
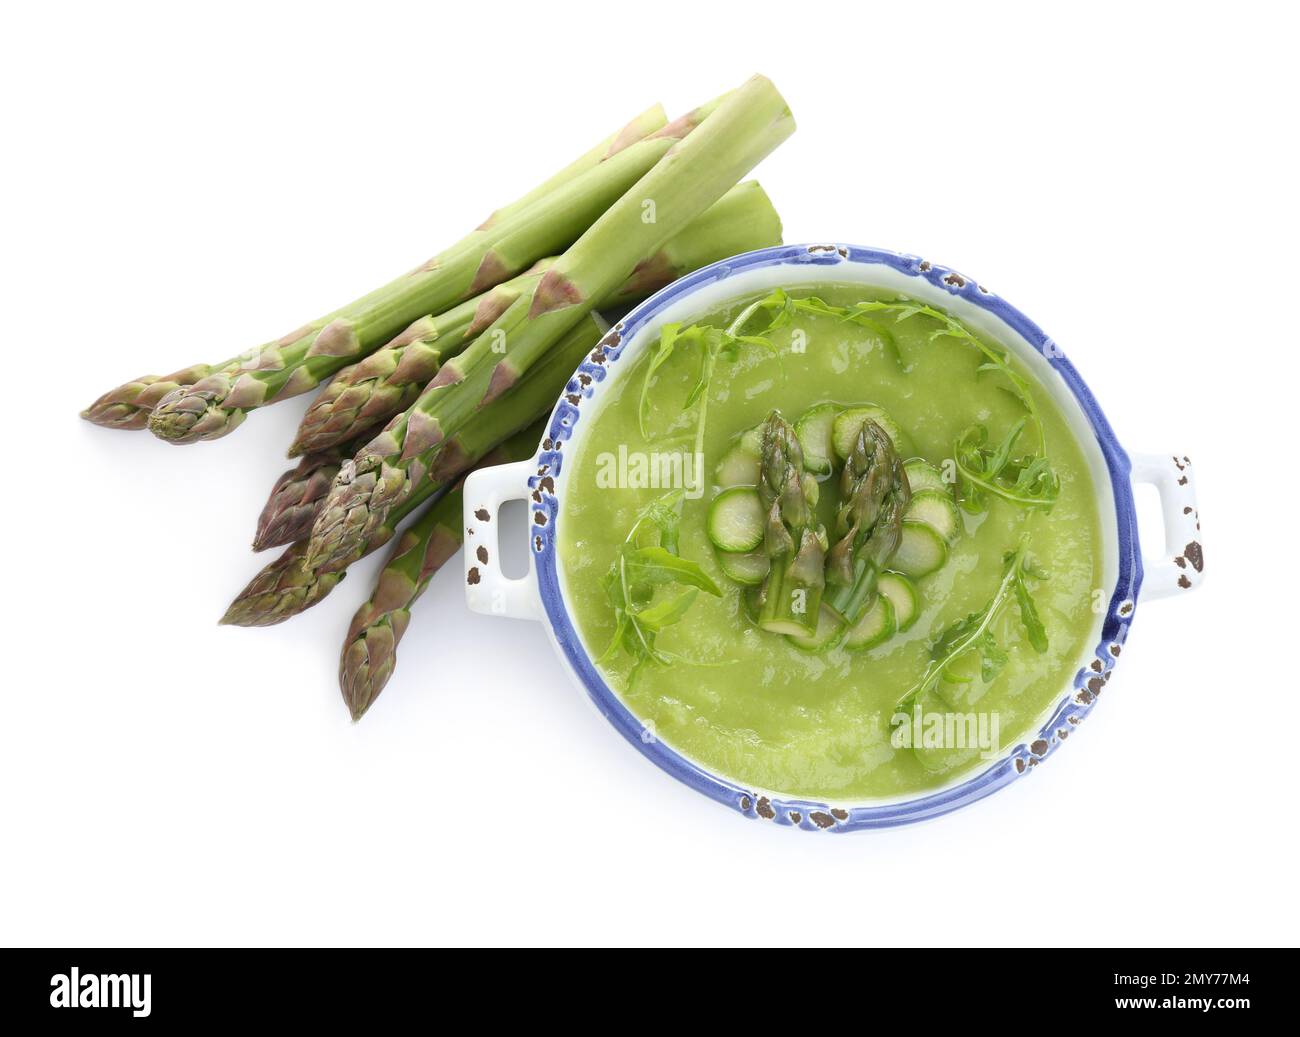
point(1027, 479)
point(648, 560)
point(855, 314)
point(780, 309)
point(994, 359)
point(712, 343)
point(974, 634)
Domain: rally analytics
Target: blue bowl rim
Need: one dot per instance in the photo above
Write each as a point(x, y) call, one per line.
point(810, 814)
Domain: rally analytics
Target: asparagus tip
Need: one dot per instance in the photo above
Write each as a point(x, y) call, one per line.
point(357, 700)
point(193, 413)
point(359, 682)
point(114, 414)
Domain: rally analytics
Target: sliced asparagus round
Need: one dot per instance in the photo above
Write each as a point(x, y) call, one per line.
point(877, 625)
point(828, 633)
point(847, 424)
point(736, 520)
point(814, 431)
point(921, 551)
point(922, 475)
point(937, 511)
point(749, 570)
point(739, 465)
point(901, 593)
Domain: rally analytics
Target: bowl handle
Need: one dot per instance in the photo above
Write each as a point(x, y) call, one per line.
point(1181, 567)
point(487, 588)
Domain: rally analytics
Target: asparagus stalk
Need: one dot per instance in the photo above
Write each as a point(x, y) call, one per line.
point(364, 394)
point(294, 582)
point(652, 119)
point(216, 405)
point(391, 379)
point(742, 220)
point(790, 597)
point(128, 405)
point(486, 256)
point(295, 499)
point(731, 138)
point(370, 648)
point(876, 493)
point(282, 589)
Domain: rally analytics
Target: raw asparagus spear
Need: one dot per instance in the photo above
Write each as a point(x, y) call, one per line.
point(216, 405)
point(652, 119)
point(744, 127)
point(876, 493)
point(790, 596)
point(742, 220)
point(390, 379)
point(282, 589)
point(128, 405)
point(293, 582)
point(370, 648)
point(367, 393)
point(487, 255)
point(296, 497)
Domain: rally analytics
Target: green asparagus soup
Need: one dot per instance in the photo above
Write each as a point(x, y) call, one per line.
point(832, 544)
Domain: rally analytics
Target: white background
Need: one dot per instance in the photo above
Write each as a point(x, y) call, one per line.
point(180, 184)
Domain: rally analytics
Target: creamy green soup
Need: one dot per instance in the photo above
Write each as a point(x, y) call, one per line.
point(751, 705)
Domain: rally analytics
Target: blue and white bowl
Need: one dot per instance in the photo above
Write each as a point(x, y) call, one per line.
point(544, 480)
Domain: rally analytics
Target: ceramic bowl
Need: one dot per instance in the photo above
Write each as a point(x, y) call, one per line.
point(544, 480)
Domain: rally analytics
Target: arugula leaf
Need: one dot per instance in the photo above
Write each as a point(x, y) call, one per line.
point(668, 611)
point(992, 657)
point(787, 307)
point(974, 634)
point(663, 350)
point(1029, 617)
point(648, 560)
point(658, 565)
point(660, 522)
point(713, 343)
point(1027, 480)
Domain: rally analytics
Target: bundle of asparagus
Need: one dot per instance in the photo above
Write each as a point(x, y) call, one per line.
point(703, 163)
point(376, 388)
point(391, 379)
point(546, 219)
point(462, 357)
point(293, 583)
